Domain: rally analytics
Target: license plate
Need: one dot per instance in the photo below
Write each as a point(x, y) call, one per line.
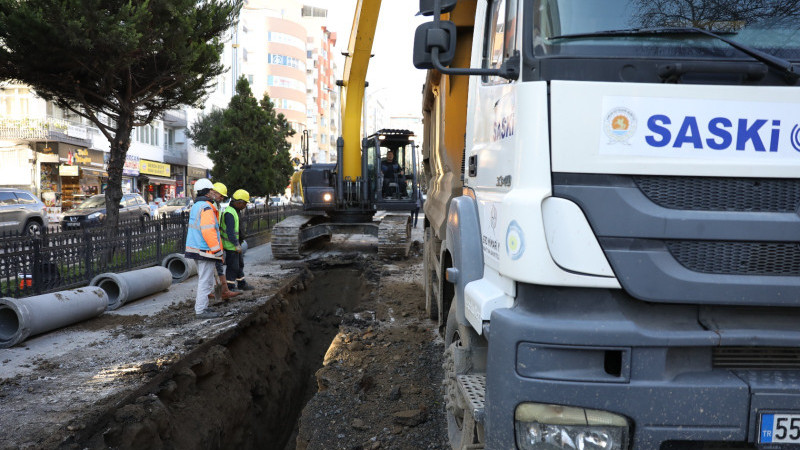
point(779, 428)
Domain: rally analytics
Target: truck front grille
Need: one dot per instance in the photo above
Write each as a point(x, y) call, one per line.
point(756, 358)
point(738, 258)
point(722, 194)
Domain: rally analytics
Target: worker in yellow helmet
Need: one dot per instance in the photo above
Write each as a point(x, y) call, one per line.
point(232, 241)
point(221, 188)
point(226, 292)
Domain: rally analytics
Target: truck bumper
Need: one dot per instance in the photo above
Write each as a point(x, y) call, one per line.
point(654, 364)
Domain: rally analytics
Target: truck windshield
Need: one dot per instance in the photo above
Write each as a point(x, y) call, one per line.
point(587, 28)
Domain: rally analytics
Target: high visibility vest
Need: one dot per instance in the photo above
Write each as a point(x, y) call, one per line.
point(226, 244)
point(203, 237)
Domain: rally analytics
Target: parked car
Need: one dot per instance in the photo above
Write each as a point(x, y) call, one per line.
point(256, 202)
point(177, 205)
point(92, 211)
point(278, 201)
point(21, 212)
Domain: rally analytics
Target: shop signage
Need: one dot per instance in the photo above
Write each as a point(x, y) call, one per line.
point(68, 171)
point(153, 168)
point(82, 157)
point(72, 155)
point(131, 167)
point(194, 172)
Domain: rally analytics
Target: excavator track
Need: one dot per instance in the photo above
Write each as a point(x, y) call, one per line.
point(394, 236)
point(286, 241)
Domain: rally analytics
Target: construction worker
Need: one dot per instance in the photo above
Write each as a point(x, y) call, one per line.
point(203, 243)
point(226, 292)
point(232, 241)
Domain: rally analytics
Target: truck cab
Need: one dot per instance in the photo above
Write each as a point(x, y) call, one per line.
point(614, 263)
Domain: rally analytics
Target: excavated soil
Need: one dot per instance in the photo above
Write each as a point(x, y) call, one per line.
point(341, 357)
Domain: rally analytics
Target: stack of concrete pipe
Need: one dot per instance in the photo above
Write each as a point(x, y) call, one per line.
point(125, 287)
point(180, 266)
point(21, 318)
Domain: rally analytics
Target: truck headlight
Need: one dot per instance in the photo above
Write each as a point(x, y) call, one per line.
point(545, 427)
point(326, 197)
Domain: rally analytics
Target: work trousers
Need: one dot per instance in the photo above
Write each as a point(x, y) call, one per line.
point(234, 266)
point(205, 284)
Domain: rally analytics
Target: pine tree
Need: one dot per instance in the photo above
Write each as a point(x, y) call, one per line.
point(117, 59)
point(248, 143)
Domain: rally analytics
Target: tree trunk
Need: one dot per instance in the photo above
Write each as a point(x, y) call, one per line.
point(116, 162)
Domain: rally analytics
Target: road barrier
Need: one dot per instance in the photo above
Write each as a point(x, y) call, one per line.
point(180, 267)
point(21, 318)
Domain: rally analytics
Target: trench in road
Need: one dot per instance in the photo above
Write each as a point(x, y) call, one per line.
point(246, 389)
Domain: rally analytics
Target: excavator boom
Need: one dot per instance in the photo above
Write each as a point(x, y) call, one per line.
point(359, 51)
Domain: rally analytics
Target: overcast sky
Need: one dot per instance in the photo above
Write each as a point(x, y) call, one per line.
point(391, 76)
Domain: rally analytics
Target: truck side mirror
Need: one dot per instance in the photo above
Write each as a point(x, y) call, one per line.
point(445, 6)
point(440, 34)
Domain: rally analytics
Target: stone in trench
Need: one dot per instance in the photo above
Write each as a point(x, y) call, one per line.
point(359, 424)
point(410, 417)
point(356, 346)
point(395, 394)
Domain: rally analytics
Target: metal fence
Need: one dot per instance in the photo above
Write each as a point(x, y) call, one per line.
point(53, 261)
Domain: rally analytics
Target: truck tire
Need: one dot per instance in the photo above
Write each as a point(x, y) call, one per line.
point(462, 346)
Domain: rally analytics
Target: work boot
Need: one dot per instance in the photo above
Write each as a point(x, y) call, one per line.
point(244, 286)
point(226, 293)
point(208, 313)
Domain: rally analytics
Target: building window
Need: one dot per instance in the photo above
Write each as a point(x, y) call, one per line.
point(283, 60)
point(277, 81)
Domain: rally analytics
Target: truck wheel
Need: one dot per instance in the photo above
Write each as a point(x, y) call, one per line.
point(428, 261)
point(461, 345)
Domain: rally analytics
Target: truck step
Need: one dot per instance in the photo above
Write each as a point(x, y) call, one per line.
point(473, 389)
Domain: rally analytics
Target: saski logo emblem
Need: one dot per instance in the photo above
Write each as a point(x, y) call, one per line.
point(619, 125)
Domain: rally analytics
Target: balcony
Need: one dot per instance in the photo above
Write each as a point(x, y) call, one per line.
point(44, 129)
point(176, 154)
point(175, 118)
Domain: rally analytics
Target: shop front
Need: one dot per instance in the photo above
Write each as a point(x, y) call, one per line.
point(68, 174)
point(155, 181)
point(130, 171)
point(179, 175)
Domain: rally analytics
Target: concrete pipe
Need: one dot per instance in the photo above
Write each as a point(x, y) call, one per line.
point(21, 318)
point(180, 267)
point(126, 287)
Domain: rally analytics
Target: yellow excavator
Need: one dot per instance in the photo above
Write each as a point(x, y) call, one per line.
point(377, 173)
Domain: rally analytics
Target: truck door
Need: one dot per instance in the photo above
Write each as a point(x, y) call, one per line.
point(492, 156)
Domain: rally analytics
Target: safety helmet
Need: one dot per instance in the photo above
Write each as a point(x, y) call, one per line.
point(241, 194)
point(219, 187)
point(202, 183)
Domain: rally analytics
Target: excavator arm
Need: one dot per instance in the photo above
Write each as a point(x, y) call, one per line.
point(359, 51)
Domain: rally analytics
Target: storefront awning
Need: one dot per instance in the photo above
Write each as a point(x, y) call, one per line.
point(160, 180)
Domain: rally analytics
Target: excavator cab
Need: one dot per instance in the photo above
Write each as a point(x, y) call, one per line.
point(392, 170)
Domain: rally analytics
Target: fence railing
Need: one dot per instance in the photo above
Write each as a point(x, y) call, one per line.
point(53, 261)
